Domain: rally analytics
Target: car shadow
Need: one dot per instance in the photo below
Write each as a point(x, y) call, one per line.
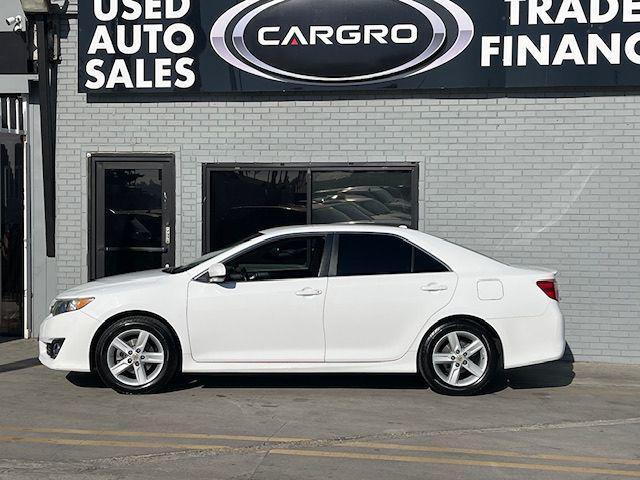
point(554, 374)
point(269, 380)
point(302, 380)
point(85, 380)
point(19, 365)
point(547, 375)
point(4, 339)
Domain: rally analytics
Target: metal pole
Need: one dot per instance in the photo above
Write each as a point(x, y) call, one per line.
point(46, 125)
point(26, 205)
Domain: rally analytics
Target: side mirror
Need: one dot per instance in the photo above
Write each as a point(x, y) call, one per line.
point(217, 273)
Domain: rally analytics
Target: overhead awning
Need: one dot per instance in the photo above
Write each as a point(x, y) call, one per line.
point(15, 84)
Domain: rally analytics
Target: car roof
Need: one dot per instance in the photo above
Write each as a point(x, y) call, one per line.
point(459, 258)
point(332, 227)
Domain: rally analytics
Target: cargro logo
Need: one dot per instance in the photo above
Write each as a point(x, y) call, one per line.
point(341, 42)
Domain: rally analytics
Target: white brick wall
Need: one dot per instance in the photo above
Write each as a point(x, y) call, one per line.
point(547, 179)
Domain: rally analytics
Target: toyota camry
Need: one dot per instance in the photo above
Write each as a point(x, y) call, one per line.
point(332, 298)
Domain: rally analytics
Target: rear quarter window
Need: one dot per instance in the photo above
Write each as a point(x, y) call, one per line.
point(381, 254)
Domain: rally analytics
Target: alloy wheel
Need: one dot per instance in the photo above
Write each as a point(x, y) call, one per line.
point(135, 357)
point(460, 359)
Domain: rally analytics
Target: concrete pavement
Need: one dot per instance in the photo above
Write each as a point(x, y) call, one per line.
point(559, 420)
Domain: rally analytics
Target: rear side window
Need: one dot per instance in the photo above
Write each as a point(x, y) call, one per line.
point(425, 263)
point(374, 254)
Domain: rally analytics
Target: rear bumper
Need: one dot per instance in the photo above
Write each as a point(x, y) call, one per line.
point(532, 340)
point(77, 330)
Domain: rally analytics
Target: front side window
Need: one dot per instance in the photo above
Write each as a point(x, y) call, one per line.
point(376, 254)
point(293, 257)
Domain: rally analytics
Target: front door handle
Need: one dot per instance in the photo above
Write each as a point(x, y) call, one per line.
point(433, 287)
point(308, 292)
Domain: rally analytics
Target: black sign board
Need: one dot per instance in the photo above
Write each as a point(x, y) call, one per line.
point(275, 45)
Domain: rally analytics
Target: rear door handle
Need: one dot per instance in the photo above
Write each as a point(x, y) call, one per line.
point(433, 287)
point(308, 292)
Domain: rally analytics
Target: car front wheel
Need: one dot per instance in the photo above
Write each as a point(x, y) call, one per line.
point(136, 355)
point(458, 358)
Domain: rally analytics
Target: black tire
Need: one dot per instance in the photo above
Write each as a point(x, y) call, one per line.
point(427, 369)
point(161, 333)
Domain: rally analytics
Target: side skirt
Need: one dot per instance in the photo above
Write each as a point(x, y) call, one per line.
point(406, 364)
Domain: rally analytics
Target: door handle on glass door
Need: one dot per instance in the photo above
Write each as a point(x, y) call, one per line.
point(308, 292)
point(434, 287)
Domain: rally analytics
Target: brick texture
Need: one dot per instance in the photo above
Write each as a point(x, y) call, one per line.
point(544, 179)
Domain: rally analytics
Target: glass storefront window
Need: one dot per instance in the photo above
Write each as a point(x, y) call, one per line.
point(241, 201)
point(247, 201)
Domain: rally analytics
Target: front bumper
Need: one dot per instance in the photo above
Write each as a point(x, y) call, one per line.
point(77, 329)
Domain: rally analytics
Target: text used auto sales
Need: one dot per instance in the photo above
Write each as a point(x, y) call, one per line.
point(162, 36)
point(543, 49)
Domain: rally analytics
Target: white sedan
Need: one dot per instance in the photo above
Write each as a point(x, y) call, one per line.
point(329, 298)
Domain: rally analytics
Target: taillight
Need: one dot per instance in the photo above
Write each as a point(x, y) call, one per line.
point(549, 288)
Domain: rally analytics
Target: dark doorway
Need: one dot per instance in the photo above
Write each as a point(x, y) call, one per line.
point(240, 200)
point(133, 214)
point(12, 234)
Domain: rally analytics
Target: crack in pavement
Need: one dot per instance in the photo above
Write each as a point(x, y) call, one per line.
point(265, 447)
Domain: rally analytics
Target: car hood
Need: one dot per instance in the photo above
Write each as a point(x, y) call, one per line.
point(131, 280)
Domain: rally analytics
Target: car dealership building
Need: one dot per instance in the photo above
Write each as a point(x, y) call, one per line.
point(181, 126)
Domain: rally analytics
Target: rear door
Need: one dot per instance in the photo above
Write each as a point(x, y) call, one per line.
point(381, 291)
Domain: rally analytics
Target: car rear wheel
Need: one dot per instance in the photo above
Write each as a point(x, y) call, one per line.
point(458, 358)
point(136, 355)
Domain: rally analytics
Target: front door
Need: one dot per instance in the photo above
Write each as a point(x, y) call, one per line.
point(132, 221)
point(269, 309)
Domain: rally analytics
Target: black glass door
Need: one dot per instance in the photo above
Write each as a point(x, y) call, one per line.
point(12, 235)
point(133, 218)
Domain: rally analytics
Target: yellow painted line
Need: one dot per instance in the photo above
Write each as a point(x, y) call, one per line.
point(119, 433)
point(108, 443)
point(454, 461)
point(491, 453)
point(252, 438)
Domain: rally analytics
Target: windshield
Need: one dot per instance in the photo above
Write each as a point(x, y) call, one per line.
point(208, 256)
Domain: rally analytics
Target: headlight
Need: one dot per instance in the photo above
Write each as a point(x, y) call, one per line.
point(69, 305)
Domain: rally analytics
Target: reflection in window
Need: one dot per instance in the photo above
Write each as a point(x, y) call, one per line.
point(382, 196)
point(133, 208)
point(248, 201)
